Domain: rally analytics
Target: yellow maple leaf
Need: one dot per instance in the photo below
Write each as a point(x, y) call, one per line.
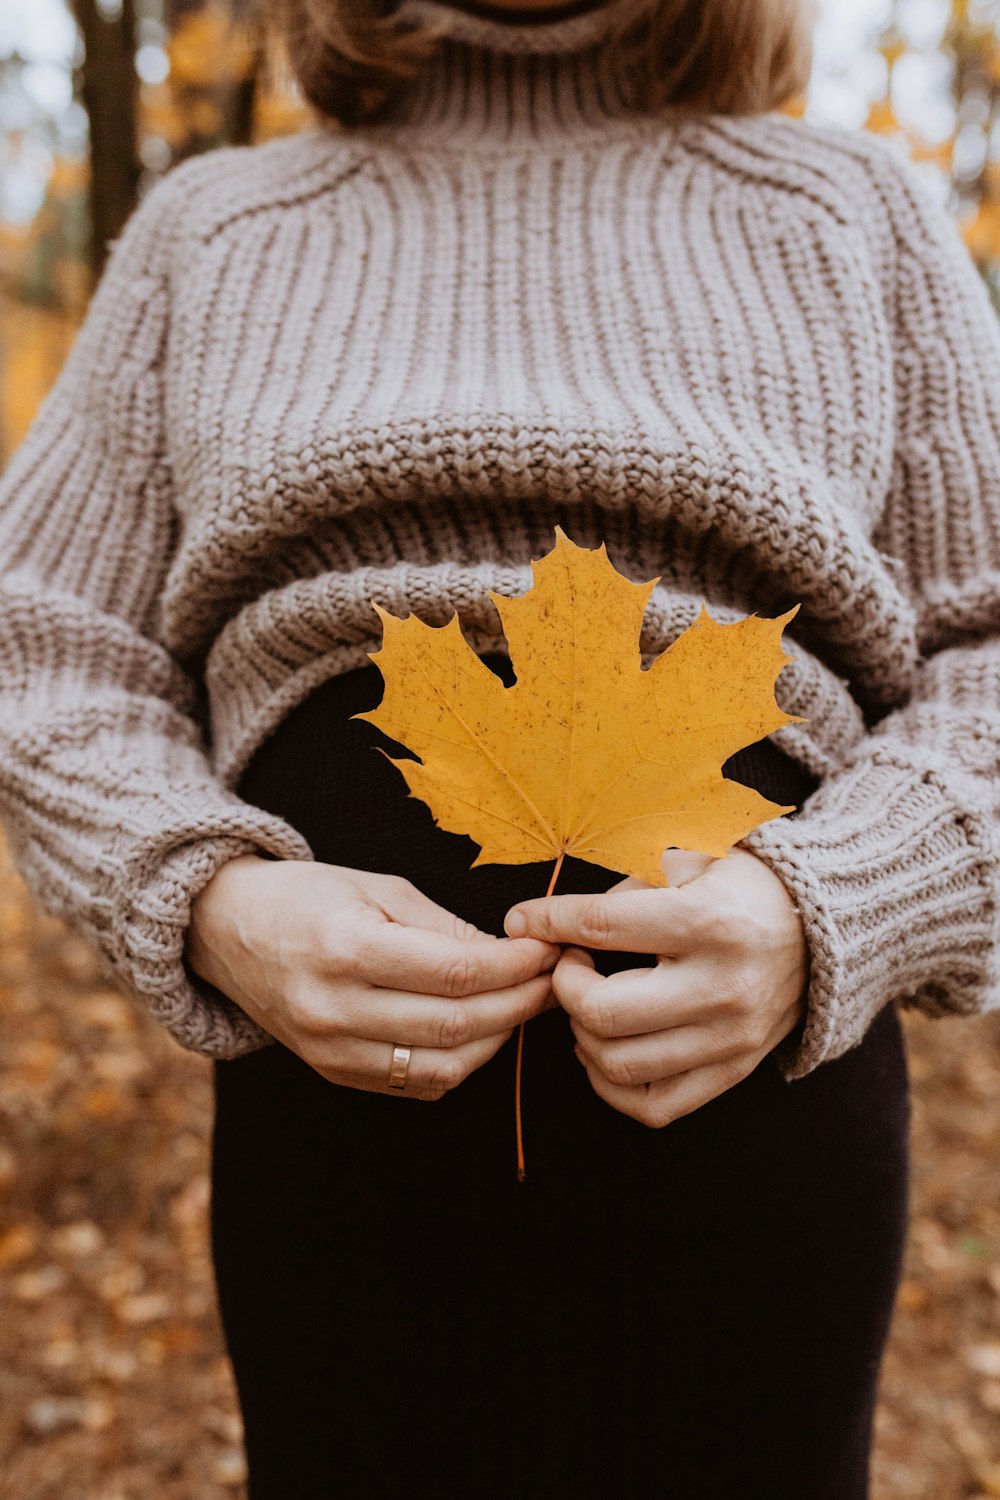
point(587, 753)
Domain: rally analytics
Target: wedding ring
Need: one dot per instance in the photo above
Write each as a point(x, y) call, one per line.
point(400, 1063)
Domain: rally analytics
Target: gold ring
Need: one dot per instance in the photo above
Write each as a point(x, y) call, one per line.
point(400, 1063)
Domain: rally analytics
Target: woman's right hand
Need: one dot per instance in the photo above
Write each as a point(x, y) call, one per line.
point(341, 965)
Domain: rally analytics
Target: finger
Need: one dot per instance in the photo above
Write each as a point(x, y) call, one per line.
point(432, 963)
point(370, 1086)
point(408, 906)
point(429, 1070)
point(574, 977)
point(673, 992)
point(410, 1020)
point(672, 1098)
point(650, 920)
point(638, 1060)
point(405, 903)
point(659, 1104)
point(627, 1100)
point(679, 866)
point(641, 1104)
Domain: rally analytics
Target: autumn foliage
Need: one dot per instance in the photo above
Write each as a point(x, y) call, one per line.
point(587, 753)
point(115, 1382)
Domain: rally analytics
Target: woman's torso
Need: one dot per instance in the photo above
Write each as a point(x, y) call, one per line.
point(395, 364)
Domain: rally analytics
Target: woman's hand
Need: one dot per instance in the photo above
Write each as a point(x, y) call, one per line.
point(728, 986)
point(341, 965)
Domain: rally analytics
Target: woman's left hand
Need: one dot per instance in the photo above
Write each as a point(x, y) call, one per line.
point(729, 983)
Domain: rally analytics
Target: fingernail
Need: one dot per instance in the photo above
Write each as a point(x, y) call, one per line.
point(515, 924)
point(579, 1056)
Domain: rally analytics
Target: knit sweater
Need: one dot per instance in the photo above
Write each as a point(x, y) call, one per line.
point(751, 355)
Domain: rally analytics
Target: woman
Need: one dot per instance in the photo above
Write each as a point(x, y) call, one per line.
point(564, 265)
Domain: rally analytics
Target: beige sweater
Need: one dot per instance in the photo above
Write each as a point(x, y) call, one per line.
point(752, 355)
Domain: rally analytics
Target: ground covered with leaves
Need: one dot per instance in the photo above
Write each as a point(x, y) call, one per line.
point(113, 1380)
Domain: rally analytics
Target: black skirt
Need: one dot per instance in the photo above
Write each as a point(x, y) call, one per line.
point(697, 1312)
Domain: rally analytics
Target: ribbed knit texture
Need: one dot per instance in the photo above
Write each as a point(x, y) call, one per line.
point(752, 355)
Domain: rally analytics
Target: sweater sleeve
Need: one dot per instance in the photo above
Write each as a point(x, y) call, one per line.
point(112, 813)
point(894, 862)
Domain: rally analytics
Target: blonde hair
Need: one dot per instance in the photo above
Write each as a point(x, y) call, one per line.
point(731, 57)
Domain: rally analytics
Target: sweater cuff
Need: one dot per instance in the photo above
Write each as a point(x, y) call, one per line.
point(148, 894)
point(893, 869)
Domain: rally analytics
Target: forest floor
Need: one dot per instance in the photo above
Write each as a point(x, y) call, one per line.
point(113, 1380)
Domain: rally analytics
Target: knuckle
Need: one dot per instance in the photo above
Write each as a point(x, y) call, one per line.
point(700, 918)
point(446, 1074)
point(339, 952)
point(762, 1038)
point(733, 1071)
point(744, 1022)
point(594, 923)
point(618, 1068)
point(305, 1015)
point(595, 1016)
point(737, 985)
point(740, 1032)
point(736, 1031)
point(454, 1028)
point(459, 974)
point(741, 929)
point(541, 922)
point(659, 1115)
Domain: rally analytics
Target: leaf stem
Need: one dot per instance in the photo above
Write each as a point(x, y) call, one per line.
point(520, 1048)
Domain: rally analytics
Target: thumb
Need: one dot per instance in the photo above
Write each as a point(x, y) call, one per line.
point(408, 905)
point(573, 977)
point(405, 903)
point(679, 866)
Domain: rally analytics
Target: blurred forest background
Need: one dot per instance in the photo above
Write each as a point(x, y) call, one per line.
point(113, 1381)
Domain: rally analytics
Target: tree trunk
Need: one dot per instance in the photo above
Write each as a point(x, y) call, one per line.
point(110, 89)
point(243, 102)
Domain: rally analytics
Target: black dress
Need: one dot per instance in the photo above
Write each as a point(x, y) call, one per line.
point(696, 1312)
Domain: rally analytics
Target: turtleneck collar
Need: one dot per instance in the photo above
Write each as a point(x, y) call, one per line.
point(533, 77)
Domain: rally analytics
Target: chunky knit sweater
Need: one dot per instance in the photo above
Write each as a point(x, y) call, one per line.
point(750, 354)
